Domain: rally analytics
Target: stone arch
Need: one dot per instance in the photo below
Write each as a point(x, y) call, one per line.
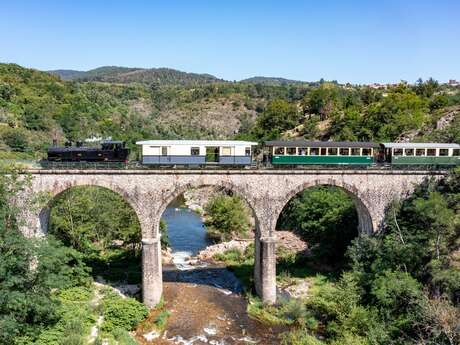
point(179, 190)
point(59, 188)
point(365, 221)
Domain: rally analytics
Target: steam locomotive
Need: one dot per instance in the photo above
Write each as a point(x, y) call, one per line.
point(107, 151)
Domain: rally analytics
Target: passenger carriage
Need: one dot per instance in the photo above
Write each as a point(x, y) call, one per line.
point(301, 152)
point(440, 154)
point(196, 152)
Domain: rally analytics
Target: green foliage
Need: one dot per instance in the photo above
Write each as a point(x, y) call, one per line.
point(161, 319)
point(165, 242)
point(31, 271)
point(299, 337)
point(92, 218)
point(75, 319)
point(323, 216)
point(242, 264)
point(227, 217)
point(278, 117)
point(122, 313)
point(322, 101)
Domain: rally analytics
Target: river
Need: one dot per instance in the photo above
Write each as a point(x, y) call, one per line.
point(205, 300)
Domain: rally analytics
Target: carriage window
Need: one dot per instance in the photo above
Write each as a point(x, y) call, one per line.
point(291, 151)
point(366, 152)
point(431, 152)
point(456, 152)
point(409, 152)
point(397, 152)
point(279, 150)
point(420, 152)
point(226, 151)
point(344, 151)
point(332, 151)
point(443, 152)
point(155, 150)
point(303, 151)
point(164, 150)
point(314, 151)
point(247, 151)
point(355, 151)
point(323, 151)
point(195, 151)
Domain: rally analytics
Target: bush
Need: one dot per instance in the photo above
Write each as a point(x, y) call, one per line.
point(165, 242)
point(75, 319)
point(123, 313)
point(299, 337)
point(227, 217)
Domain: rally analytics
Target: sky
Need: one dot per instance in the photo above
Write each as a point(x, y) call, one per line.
point(349, 41)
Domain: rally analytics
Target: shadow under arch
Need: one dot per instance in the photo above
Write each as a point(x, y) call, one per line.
point(365, 224)
point(54, 195)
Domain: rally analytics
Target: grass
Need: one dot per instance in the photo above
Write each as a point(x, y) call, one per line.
point(156, 321)
point(241, 264)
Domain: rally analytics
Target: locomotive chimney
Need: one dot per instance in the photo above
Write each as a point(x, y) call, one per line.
point(54, 142)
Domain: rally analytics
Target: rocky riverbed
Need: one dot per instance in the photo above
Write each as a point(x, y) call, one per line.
point(207, 314)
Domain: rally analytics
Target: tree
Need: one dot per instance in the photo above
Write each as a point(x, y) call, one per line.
point(30, 271)
point(278, 116)
point(16, 139)
point(322, 101)
point(325, 217)
point(401, 111)
point(226, 217)
point(427, 88)
point(92, 218)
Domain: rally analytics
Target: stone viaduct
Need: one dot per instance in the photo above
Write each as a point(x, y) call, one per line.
point(266, 191)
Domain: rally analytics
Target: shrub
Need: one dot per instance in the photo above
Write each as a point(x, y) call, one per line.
point(75, 319)
point(299, 337)
point(123, 313)
point(227, 217)
point(162, 319)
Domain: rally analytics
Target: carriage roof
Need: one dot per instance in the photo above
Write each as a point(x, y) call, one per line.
point(305, 143)
point(197, 142)
point(421, 145)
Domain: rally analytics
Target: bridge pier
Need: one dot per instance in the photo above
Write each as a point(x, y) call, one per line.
point(152, 277)
point(265, 269)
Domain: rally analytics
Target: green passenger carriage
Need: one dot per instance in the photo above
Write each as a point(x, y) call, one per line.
point(300, 152)
point(434, 154)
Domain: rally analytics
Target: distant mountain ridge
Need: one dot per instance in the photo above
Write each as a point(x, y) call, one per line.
point(272, 81)
point(125, 75)
point(169, 76)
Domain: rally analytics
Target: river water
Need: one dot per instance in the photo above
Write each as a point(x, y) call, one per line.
point(205, 300)
point(187, 233)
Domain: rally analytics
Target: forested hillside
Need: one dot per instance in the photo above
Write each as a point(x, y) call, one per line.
point(36, 107)
point(114, 74)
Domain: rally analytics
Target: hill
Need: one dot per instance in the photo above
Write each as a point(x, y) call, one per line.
point(125, 75)
point(67, 74)
point(272, 81)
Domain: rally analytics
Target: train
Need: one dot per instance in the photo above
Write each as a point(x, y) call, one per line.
point(248, 154)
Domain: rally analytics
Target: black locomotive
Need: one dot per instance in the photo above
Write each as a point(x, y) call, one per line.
point(108, 151)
